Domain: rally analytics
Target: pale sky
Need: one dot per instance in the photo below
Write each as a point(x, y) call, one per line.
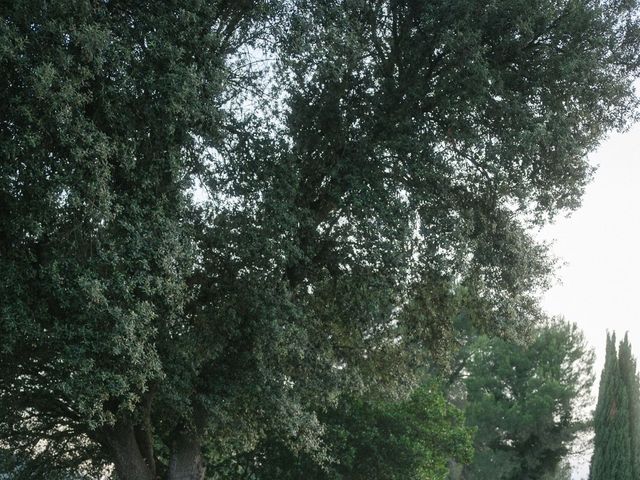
point(599, 248)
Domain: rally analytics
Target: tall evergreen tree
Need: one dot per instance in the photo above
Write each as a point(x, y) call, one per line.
point(527, 402)
point(629, 376)
point(616, 443)
point(598, 458)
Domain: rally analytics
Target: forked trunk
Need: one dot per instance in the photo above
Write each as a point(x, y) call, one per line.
point(132, 454)
point(127, 458)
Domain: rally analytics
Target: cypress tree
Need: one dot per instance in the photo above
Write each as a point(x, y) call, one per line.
point(629, 376)
point(616, 443)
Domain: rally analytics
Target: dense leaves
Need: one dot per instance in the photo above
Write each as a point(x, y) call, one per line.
point(412, 439)
point(528, 402)
point(217, 215)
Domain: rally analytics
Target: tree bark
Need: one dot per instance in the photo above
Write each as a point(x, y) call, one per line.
point(127, 458)
point(144, 440)
point(144, 433)
point(186, 458)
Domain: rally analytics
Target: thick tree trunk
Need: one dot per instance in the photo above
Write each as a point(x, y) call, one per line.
point(145, 444)
point(129, 462)
point(144, 433)
point(186, 458)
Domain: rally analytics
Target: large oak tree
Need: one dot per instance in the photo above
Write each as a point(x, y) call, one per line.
point(217, 216)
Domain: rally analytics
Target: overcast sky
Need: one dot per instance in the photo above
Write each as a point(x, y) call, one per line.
point(599, 248)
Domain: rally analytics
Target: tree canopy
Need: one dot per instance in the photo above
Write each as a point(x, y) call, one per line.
point(529, 402)
point(218, 217)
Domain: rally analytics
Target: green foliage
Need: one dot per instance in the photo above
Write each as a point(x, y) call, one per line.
point(629, 377)
point(17, 466)
point(411, 439)
point(216, 215)
point(527, 402)
point(615, 454)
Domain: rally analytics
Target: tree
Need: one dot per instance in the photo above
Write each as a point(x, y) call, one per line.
point(410, 439)
point(603, 455)
point(615, 454)
point(629, 377)
point(527, 402)
point(215, 215)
